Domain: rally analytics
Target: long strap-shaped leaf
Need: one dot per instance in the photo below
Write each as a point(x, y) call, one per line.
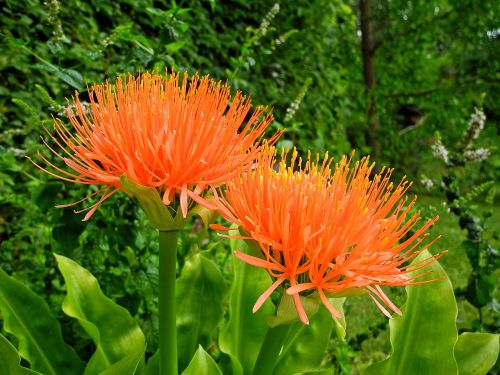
point(28, 317)
point(243, 335)
point(10, 360)
point(201, 290)
point(120, 343)
point(305, 345)
point(423, 338)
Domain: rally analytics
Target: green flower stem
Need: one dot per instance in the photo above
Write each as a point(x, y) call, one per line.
point(168, 330)
point(270, 349)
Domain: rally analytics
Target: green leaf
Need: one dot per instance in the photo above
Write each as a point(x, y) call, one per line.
point(200, 292)
point(69, 76)
point(153, 365)
point(476, 353)
point(120, 343)
point(423, 338)
point(234, 366)
point(244, 333)
point(305, 345)
point(28, 317)
point(175, 46)
point(202, 364)
point(9, 363)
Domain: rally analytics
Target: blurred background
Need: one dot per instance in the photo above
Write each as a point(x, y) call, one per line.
point(412, 83)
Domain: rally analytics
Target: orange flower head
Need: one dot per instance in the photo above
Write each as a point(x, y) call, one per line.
point(326, 231)
point(166, 133)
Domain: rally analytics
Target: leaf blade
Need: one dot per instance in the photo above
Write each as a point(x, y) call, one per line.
point(153, 365)
point(476, 353)
point(120, 344)
point(298, 355)
point(423, 338)
point(38, 331)
point(244, 333)
point(10, 363)
point(202, 364)
point(200, 292)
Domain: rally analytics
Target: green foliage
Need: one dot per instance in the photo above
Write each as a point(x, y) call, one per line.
point(339, 324)
point(200, 290)
point(152, 367)
point(120, 343)
point(10, 363)
point(461, 195)
point(471, 195)
point(243, 334)
point(202, 364)
point(298, 355)
point(430, 71)
point(433, 59)
point(476, 353)
point(29, 319)
point(424, 337)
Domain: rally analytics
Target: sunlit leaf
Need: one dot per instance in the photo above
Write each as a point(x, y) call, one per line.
point(423, 338)
point(175, 46)
point(476, 353)
point(120, 343)
point(10, 360)
point(202, 364)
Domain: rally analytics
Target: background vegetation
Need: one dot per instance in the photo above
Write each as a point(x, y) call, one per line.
point(381, 77)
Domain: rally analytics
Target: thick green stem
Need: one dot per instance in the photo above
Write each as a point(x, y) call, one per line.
point(168, 330)
point(270, 349)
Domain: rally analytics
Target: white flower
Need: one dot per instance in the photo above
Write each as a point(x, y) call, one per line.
point(266, 22)
point(427, 183)
point(477, 155)
point(476, 124)
point(439, 150)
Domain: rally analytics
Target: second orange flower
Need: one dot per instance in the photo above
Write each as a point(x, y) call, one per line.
point(327, 231)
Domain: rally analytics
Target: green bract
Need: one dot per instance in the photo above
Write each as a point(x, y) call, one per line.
point(159, 215)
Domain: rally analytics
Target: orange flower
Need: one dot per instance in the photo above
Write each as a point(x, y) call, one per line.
point(178, 138)
point(326, 232)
